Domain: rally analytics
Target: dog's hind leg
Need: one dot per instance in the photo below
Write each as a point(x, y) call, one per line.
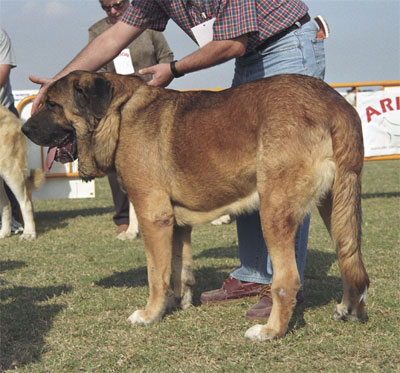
point(279, 227)
point(5, 207)
point(182, 266)
point(344, 223)
point(287, 189)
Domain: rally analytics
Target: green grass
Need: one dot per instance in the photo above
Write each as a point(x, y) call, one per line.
point(65, 298)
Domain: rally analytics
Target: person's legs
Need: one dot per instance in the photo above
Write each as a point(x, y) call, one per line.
point(301, 53)
point(121, 202)
point(255, 263)
point(298, 52)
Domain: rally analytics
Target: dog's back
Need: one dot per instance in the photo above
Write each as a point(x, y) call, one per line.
point(12, 142)
point(225, 143)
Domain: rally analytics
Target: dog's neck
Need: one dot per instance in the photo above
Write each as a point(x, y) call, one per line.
point(96, 150)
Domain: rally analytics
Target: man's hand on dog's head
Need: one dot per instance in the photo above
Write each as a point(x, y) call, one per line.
point(45, 83)
point(162, 74)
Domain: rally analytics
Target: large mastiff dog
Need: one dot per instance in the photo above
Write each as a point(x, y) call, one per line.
point(279, 144)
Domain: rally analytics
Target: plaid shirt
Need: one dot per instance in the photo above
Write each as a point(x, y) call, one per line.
point(260, 19)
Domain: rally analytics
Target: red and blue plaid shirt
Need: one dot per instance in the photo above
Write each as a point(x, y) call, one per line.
point(260, 19)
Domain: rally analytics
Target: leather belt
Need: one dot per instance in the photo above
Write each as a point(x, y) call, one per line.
point(303, 20)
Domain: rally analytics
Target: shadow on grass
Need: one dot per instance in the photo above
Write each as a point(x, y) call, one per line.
point(23, 322)
point(320, 288)
point(204, 276)
point(132, 278)
point(9, 265)
point(380, 195)
point(48, 220)
point(218, 252)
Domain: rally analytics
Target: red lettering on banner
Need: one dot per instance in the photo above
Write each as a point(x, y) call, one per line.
point(386, 103)
point(370, 112)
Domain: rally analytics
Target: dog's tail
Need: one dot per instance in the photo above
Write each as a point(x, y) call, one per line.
point(35, 179)
point(341, 209)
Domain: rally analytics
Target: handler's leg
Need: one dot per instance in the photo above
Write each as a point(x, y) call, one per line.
point(298, 52)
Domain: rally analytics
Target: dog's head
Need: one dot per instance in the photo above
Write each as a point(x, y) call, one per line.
point(72, 106)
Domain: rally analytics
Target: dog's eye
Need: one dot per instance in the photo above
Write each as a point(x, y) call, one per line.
point(52, 104)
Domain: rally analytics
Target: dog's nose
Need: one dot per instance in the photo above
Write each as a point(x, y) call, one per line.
point(25, 129)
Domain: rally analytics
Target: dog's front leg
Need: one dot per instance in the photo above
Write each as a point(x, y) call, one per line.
point(157, 236)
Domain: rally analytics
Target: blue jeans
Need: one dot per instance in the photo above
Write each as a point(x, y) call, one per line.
point(298, 52)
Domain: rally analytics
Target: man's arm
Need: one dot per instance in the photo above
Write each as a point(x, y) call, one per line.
point(4, 74)
point(213, 53)
point(95, 55)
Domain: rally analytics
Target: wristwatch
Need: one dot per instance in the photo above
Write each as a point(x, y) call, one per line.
point(175, 72)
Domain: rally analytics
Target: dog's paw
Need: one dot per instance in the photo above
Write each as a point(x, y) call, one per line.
point(139, 318)
point(341, 312)
point(26, 236)
point(260, 333)
point(5, 234)
point(126, 236)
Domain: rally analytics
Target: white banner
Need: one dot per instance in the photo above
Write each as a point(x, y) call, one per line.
point(380, 116)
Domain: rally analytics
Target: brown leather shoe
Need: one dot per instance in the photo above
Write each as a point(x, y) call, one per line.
point(262, 309)
point(122, 228)
point(232, 289)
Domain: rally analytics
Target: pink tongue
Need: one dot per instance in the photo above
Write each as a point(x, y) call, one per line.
point(50, 158)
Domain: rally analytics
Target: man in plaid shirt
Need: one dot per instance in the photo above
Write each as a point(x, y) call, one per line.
point(266, 37)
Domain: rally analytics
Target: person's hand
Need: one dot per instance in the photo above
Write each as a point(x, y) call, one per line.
point(45, 83)
point(162, 74)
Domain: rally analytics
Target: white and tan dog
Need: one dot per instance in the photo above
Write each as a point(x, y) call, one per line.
point(13, 171)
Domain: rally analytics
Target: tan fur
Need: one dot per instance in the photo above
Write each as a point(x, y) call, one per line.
point(13, 170)
point(280, 144)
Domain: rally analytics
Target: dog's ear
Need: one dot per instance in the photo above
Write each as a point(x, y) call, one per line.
point(93, 96)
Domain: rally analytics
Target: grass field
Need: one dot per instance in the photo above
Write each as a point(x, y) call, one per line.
point(65, 298)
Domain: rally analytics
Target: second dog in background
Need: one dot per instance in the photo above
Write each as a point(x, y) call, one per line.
point(13, 171)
